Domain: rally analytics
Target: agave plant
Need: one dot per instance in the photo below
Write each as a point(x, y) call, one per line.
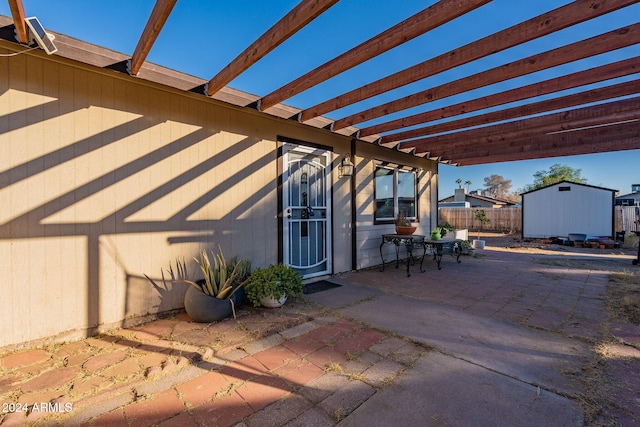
point(221, 278)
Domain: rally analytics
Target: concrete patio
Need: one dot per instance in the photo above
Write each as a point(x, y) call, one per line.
point(506, 338)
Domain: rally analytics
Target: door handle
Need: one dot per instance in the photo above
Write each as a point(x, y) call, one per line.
point(310, 211)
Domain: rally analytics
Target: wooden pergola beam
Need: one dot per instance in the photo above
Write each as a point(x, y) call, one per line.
point(506, 141)
point(159, 15)
point(17, 12)
point(620, 110)
point(612, 40)
point(547, 23)
point(305, 12)
point(483, 147)
point(613, 143)
point(569, 81)
point(620, 137)
point(420, 23)
point(580, 98)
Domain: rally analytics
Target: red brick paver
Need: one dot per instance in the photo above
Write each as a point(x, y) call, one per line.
point(224, 411)
point(23, 358)
point(148, 412)
point(202, 389)
point(52, 379)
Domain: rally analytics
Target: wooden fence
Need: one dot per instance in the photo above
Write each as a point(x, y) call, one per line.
point(509, 220)
point(503, 220)
point(626, 218)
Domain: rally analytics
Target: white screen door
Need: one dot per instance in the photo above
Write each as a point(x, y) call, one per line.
point(306, 204)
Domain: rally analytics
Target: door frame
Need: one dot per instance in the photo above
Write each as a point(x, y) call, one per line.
point(281, 143)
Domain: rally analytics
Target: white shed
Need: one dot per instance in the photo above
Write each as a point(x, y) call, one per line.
point(567, 207)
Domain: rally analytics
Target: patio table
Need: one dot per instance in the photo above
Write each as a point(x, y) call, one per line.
point(409, 242)
point(441, 247)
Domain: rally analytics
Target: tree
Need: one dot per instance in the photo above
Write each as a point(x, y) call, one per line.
point(497, 186)
point(556, 173)
point(468, 184)
point(459, 181)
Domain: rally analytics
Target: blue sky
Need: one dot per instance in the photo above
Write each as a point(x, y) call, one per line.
point(202, 36)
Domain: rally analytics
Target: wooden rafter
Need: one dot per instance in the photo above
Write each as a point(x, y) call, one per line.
point(621, 110)
point(297, 18)
point(17, 12)
point(573, 100)
point(616, 137)
point(563, 17)
point(583, 49)
point(420, 23)
point(569, 81)
point(159, 15)
point(586, 146)
point(552, 143)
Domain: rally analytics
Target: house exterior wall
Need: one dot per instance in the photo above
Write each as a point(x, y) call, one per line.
point(369, 234)
point(584, 209)
point(105, 177)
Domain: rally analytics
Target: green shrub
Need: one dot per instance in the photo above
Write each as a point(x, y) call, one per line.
point(273, 281)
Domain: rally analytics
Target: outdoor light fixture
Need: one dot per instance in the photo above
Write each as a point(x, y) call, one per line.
point(346, 167)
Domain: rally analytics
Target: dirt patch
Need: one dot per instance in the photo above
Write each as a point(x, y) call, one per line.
point(623, 297)
point(514, 242)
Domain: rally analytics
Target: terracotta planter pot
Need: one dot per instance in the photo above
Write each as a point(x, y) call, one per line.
point(400, 229)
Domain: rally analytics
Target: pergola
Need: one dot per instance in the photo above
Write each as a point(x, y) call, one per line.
point(597, 120)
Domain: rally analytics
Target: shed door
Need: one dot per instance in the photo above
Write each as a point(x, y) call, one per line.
point(306, 200)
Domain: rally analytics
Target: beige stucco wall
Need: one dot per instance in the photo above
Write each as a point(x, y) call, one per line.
point(104, 177)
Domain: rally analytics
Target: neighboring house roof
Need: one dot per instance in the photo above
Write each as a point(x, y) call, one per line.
point(634, 195)
point(501, 202)
point(572, 183)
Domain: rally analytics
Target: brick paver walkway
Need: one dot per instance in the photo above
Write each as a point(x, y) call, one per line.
point(176, 372)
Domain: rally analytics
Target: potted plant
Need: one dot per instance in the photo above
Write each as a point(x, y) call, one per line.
point(214, 297)
point(481, 217)
point(446, 228)
point(272, 286)
point(466, 249)
point(403, 225)
point(243, 267)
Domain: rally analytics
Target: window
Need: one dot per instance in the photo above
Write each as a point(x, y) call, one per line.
point(395, 191)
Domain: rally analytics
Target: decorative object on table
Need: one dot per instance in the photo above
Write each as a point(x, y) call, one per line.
point(481, 217)
point(271, 286)
point(403, 225)
point(436, 233)
point(215, 297)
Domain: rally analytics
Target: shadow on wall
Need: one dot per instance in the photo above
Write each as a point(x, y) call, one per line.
point(117, 201)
